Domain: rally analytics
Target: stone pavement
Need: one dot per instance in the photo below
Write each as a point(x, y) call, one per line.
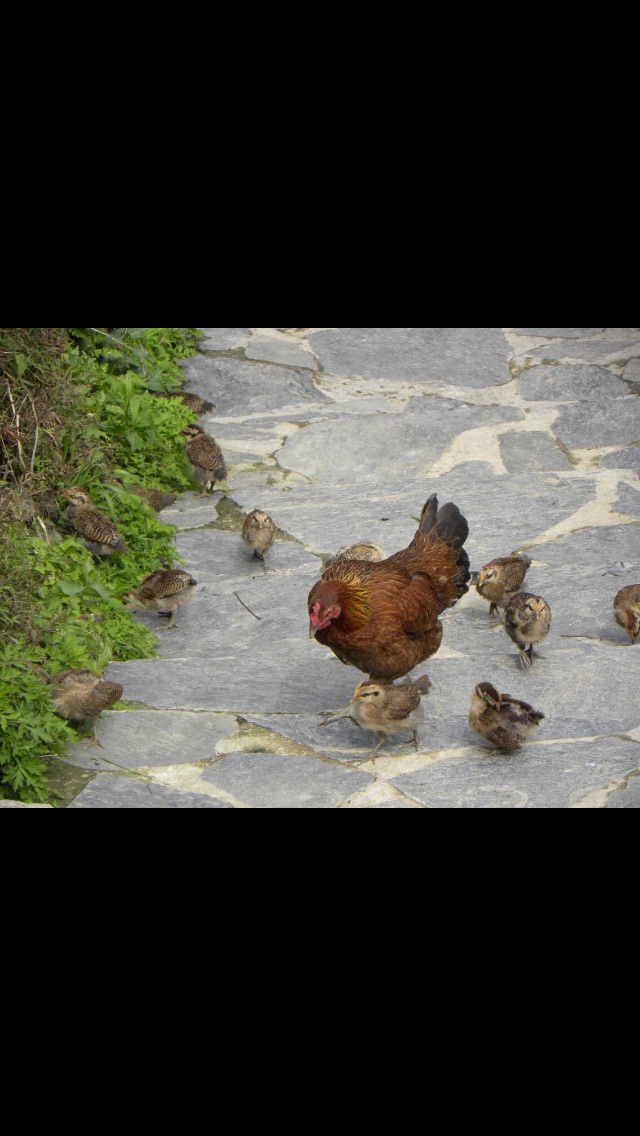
point(342, 434)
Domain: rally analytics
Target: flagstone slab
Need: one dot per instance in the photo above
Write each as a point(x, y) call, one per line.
point(223, 338)
point(504, 512)
point(141, 739)
point(110, 791)
point(240, 388)
point(595, 424)
point(536, 777)
point(628, 798)
point(532, 450)
point(622, 459)
point(276, 349)
point(557, 332)
point(569, 383)
point(628, 500)
point(280, 781)
point(596, 350)
point(387, 447)
point(460, 356)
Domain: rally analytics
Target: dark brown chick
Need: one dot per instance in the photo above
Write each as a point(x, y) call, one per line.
point(504, 721)
point(82, 696)
point(205, 456)
point(165, 591)
point(100, 534)
point(195, 403)
point(626, 607)
point(386, 709)
point(383, 618)
point(258, 533)
point(501, 579)
point(154, 497)
point(527, 620)
point(362, 550)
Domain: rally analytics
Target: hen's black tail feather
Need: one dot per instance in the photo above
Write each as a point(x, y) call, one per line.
point(450, 525)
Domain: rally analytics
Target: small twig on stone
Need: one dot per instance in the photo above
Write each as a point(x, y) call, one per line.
point(247, 608)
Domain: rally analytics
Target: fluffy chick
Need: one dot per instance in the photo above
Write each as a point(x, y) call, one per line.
point(363, 550)
point(386, 710)
point(165, 591)
point(100, 534)
point(527, 620)
point(82, 696)
point(504, 721)
point(258, 533)
point(154, 497)
point(627, 610)
point(193, 401)
point(205, 456)
point(500, 579)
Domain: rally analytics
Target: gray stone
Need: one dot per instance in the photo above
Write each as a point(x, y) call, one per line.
point(597, 350)
point(393, 805)
point(223, 338)
point(240, 388)
point(622, 459)
point(557, 332)
point(537, 777)
point(19, 805)
point(631, 373)
point(141, 739)
point(462, 356)
point(527, 451)
point(387, 447)
point(191, 511)
point(279, 349)
point(628, 798)
point(595, 424)
point(280, 781)
point(343, 741)
point(628, 500)
point(271, 675)
point(109, 791)
point(570, 384)
point(504, 513)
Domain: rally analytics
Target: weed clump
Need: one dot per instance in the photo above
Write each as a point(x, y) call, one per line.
point(76, 408)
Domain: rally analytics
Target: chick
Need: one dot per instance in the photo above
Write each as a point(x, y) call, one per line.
point(100, 534)
point(499, 580)
point(193, 401)
point(363, 550)
point(165, 591)
point(258, 532)
point(205, 456)
point(386, 709)
point(154, 497)
point(627, 610)
point(527, 620)
point(504, 721)
point(82, 695)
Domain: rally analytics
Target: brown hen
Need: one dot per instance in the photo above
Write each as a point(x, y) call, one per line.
point(383, 618)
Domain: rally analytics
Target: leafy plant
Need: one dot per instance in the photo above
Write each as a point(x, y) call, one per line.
point(76, 409)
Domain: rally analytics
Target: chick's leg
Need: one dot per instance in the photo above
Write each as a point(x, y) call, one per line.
point(95, 741)
point(381, 740)
point(526, 658)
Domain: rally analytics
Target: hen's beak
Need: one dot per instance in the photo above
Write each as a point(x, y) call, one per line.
point(313, 631)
